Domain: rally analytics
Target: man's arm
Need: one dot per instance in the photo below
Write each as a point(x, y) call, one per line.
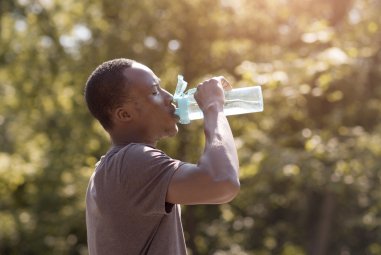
point(214, 179)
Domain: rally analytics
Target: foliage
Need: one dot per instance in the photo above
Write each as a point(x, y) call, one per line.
point(310, 163)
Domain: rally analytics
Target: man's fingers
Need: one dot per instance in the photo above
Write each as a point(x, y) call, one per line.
point(221, 79)
point(225, 84)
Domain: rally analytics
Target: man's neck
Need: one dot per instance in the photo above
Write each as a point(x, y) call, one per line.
point(126, 137)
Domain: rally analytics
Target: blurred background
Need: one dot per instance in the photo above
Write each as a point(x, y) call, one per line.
point(310, 163)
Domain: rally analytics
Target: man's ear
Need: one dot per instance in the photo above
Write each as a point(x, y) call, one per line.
point(123, 113)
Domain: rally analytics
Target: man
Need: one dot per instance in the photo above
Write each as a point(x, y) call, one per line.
point(133, 197)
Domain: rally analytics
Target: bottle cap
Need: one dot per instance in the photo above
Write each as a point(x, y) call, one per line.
point(181, 99)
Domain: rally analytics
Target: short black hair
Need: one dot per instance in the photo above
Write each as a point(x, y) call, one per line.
point(106, 89)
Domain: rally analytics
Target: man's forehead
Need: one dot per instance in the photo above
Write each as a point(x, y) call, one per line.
point(137, 65)
point(140, 73)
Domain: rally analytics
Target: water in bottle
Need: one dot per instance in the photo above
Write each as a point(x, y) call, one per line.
point(237, 101)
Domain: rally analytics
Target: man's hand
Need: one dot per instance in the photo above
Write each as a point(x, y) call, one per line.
point(210, 93)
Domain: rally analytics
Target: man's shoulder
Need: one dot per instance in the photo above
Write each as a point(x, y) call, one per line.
point(133, 151)
point(136, 147)
point(131, 156)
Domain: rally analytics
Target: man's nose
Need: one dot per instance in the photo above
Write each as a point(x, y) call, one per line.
point(168, 96)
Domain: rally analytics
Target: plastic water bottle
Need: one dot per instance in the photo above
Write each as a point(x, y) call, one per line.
point(237, 101)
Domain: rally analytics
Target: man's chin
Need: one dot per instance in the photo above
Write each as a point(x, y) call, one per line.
point(172, 132)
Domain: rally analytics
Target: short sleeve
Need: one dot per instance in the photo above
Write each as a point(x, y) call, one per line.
point(147, 173)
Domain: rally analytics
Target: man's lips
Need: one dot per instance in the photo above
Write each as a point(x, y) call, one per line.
point(173, 113)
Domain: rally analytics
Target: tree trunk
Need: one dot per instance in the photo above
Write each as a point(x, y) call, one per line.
point(320, 239)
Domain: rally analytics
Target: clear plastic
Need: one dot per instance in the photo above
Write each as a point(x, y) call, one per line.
point(237, 101)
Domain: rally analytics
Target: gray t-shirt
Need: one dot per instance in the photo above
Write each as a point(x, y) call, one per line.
point(126, 212)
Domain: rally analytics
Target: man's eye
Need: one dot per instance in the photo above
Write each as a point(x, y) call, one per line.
point(155, 90)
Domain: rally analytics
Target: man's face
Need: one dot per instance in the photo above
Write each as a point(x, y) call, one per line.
point(154, 107)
